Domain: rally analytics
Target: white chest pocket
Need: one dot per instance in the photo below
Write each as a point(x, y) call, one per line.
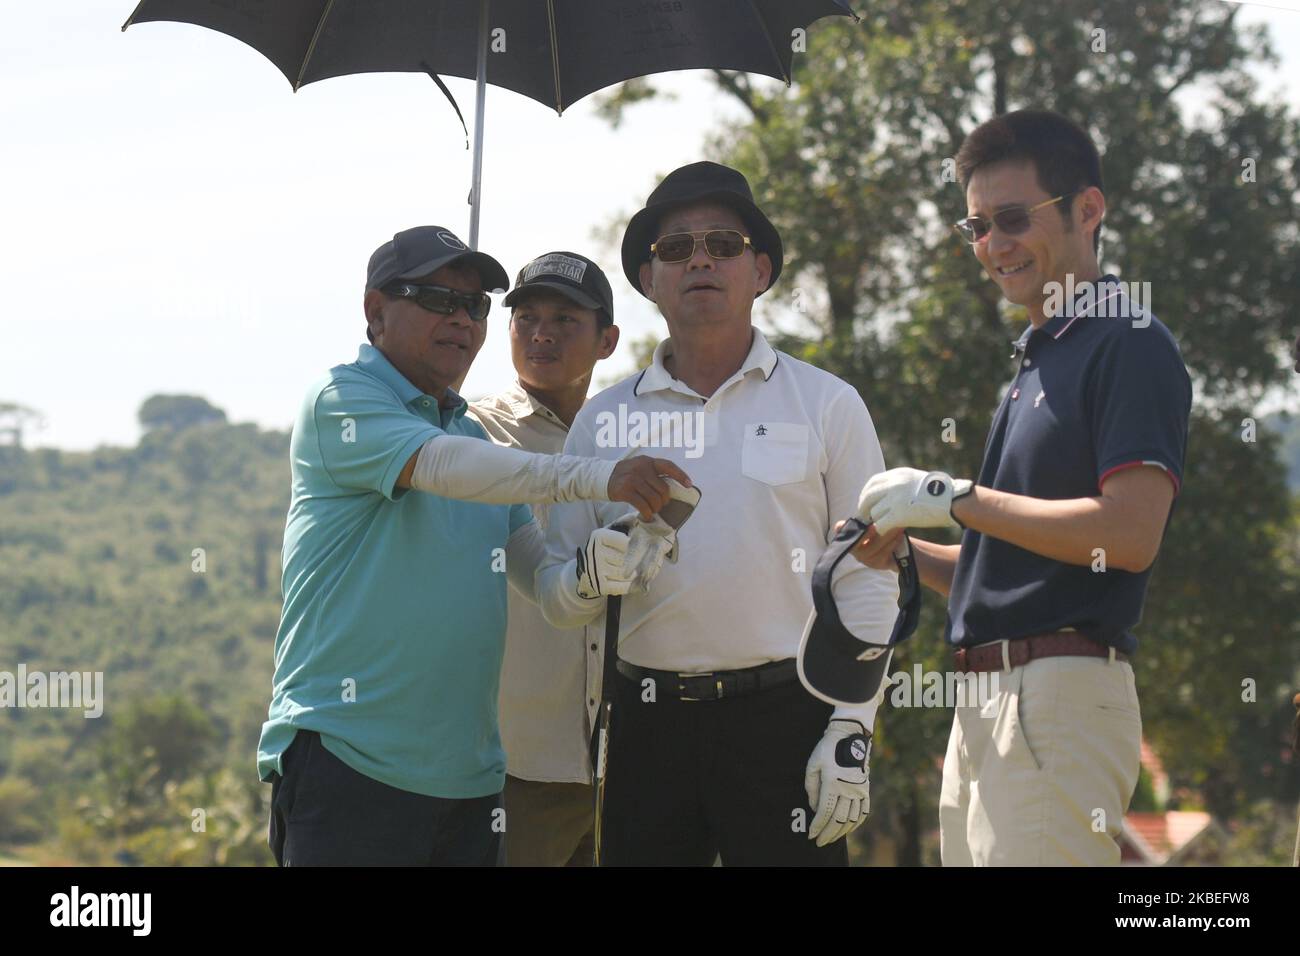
point(775, 453)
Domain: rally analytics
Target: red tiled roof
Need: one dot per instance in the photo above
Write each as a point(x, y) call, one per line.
point(1166, 833)
point(1151, 761)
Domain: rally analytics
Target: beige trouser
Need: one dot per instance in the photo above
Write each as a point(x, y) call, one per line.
point(548, 824)
point(1042, 773)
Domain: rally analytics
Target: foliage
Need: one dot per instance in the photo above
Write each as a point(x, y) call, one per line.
point(177, 412)
point(99, 571)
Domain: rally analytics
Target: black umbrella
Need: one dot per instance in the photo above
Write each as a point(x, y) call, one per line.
point(553, 51)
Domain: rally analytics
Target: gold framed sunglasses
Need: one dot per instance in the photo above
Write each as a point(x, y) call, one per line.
point(1013, 220)
point(718, 243)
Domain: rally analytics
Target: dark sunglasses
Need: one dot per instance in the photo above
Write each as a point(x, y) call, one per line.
point(1013, 220)
point(718, 243)
point(444, 301)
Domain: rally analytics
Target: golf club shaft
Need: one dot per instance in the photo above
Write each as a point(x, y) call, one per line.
point(604, 721)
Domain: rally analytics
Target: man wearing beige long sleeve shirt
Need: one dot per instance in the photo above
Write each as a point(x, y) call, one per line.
point(561, 324)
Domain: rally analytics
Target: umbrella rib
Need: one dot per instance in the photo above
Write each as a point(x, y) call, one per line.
point(771, 45)
point(302, 70)
point(132, 16)
point(555, 57)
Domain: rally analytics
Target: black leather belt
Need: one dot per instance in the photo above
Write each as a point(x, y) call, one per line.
point(715, 685)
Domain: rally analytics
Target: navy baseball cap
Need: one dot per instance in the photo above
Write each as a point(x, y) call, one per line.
point(575, 277)
point(414, 253)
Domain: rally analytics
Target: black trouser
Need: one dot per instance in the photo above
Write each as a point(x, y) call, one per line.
point(689, 780)
point(324, 813)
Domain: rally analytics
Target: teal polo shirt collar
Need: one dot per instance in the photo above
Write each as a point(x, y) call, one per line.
point(375, 362)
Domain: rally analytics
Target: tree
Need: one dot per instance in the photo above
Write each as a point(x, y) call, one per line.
point(14, 418)
point(177, 412)
point(854, 166)
point(154, 741)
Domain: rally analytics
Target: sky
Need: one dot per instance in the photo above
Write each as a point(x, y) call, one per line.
point(174, 219)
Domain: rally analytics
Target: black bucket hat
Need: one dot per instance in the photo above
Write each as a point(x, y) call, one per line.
point(699, 182)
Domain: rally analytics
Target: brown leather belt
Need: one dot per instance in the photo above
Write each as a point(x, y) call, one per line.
point(1004, 655)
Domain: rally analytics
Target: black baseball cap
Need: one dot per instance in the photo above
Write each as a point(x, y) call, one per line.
point(699, 182)
point(834, 664)
point(575, 277)
point(414, 253)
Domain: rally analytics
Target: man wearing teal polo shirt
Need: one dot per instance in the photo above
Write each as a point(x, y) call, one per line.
point(381, 742)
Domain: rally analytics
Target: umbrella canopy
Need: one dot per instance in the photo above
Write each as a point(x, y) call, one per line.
point(553, 51)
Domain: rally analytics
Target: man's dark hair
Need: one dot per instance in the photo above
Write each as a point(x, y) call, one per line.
point(1062, 153)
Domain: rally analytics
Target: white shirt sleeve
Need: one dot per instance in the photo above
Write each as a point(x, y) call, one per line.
point(569, 525)
point(525, 553)
point(867, 599)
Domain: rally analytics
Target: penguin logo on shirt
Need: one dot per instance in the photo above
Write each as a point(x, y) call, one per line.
point(760, 431)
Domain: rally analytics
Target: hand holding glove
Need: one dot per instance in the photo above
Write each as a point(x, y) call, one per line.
point(911, 498)
point(837, 781)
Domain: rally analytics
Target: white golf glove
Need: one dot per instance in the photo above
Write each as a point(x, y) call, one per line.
point(600, 564)
point(837, 781)
point(615, 561)
point(911, 498)
point(648, 544)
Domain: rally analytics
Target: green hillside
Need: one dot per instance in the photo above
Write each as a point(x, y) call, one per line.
point(159, 566)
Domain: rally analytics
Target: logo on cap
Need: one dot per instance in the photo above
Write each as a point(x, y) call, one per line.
point(450, 240)
point(566, 267)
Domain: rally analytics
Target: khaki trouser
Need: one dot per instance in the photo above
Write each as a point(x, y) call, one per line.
point(1042, 773)
point(1295, 859)
point(548, 824)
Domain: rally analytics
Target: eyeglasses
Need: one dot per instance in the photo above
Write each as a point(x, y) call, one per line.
point(718, 243)
point(444, 301)
point(1013, 220)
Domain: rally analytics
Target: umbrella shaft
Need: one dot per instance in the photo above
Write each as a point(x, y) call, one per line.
point(480, 102)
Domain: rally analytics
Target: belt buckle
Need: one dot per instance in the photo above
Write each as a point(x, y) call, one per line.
point(681, 686)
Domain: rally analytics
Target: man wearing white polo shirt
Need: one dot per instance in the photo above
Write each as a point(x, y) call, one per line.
point(716, 748)
point(561, 325)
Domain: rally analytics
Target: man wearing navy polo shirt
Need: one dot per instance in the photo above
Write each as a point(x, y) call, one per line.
point(381, 742)
point(1081, 468)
